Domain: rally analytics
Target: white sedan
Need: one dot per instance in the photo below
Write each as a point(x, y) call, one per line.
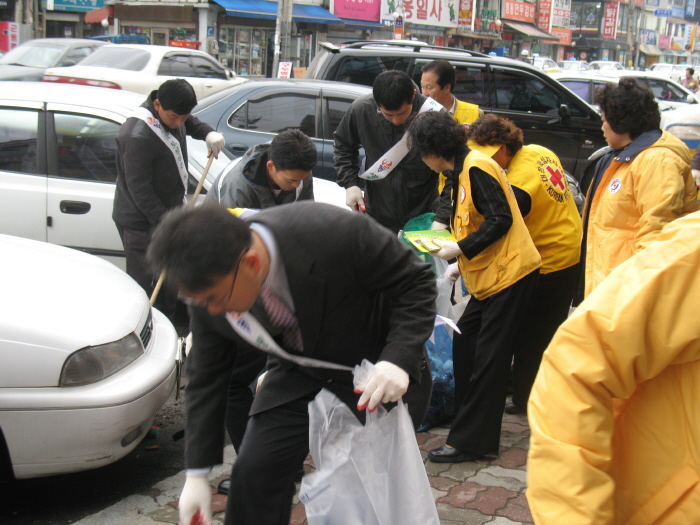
point(85, 362)
point(143, 68)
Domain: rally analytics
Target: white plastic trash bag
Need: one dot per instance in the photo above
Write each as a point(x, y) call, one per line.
point(366, 475)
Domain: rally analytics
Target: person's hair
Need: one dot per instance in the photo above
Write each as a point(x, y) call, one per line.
point(177, 95)
point(392, 89)
point(198, 246)
point(628, 107)
point(444, 71)
point(692, 71)
point(292, 150)
point(437, 134)
point(492, 130)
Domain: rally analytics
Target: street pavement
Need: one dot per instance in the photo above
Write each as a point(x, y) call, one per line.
point(470, 493)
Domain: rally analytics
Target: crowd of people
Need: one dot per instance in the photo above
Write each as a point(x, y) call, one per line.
point(284, 300)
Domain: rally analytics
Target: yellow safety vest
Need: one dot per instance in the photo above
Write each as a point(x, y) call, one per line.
point(507, 260)
point(553, 222)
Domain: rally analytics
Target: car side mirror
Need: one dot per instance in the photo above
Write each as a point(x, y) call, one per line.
point(68, 62)
point(691, 99)
point(564, 115)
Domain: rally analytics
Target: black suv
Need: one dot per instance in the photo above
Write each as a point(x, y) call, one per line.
point(547, 112)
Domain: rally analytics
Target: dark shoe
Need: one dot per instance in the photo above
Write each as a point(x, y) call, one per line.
point(446, 454)
point(224, 487)
point(512, 408)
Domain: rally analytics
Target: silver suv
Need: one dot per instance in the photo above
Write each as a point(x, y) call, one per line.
point(547, 112)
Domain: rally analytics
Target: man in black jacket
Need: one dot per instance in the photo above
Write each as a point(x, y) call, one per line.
point(353, 292)
point(152, 173)
point(377, 122)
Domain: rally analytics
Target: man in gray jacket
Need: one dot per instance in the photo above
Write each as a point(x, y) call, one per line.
point(377, 122)
point(269, 174)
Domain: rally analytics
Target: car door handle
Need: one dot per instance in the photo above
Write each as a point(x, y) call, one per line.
point(238, 149)
point(75, 207)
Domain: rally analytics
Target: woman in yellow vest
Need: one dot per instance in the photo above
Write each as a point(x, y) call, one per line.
point(551, 217)
point(499, 264)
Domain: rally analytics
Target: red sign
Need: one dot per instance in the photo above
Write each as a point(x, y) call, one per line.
point(184, 43)
point(564, 36)
point(521, 11)
point(544, 15)
point(465, 12)
point(664, 42)
point(610, 21)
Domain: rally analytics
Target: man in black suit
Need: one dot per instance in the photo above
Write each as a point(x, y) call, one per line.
point(355, 293)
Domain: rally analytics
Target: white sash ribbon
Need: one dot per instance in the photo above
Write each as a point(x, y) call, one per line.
point(391, 158)
point(171, 142)
point(250, 329)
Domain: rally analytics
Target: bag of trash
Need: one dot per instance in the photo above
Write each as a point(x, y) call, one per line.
point(366, 475)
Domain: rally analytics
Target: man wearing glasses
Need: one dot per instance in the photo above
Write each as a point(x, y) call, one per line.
point(314, 285)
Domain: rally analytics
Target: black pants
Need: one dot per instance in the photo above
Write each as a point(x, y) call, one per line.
point(249, 364)
point(482, 355)
point(274, 447)
point(550, 307)
point(135, 246)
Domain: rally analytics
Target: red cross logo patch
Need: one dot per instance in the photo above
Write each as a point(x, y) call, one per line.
point(556, 177)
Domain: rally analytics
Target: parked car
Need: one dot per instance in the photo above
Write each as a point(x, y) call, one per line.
point(254, 112)
point(675, 72)
point(546, 64)
point(85, 362)
point(606, 65)
point(123, 39)
point(585, 86)
point(574, 65)
point(664, 90)
point(547, 112)
point(28, 61)
point(58, 164)
point(142, 68)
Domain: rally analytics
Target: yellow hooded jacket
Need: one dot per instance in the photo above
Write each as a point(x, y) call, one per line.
point(614, 409)
point(636, 197)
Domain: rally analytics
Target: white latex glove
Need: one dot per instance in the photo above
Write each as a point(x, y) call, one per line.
point(452, 273)
point(448, 249)
point(354, 199)
point(438, 226)
point(195, 497)
point(386, 383)
point(696, 176)
point(215, 143)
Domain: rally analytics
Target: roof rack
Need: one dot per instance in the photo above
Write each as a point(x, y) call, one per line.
point(415, 44)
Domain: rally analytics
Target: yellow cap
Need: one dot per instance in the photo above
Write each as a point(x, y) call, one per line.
point(489, 150)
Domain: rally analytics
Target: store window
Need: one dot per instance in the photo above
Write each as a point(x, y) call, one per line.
point(244, 50)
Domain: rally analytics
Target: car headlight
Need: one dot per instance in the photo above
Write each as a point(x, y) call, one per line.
point(95, 363)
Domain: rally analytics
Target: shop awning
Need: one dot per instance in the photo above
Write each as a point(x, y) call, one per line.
point(529, 29)
point(674, 52)
point(312, 14)
point(364, 24)
point(96, 16)
point(650, 49)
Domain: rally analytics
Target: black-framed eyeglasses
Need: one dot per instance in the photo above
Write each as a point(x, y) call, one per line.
point(212, 301)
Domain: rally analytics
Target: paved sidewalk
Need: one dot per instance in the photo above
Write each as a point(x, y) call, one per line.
point(470, 493)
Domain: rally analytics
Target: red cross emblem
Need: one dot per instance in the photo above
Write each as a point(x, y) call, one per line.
point(556, 177)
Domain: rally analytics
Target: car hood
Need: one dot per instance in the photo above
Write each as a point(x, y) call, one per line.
point(10, 72)
point(55, 301)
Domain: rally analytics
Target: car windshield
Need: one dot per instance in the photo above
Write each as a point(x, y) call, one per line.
point(127, 58)
point(570, 65)
point(36, 55)
point(603, 66)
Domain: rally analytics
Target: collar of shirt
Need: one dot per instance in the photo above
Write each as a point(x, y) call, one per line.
point(276, 277)
point(454, 106)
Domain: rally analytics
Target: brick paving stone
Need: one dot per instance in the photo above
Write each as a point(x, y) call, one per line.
point(436, 469)
point(165, 514)
point(449, 513)
point(462, 494)
point(516, 513)
point(491, 500)
point(503, 521)
point(440, 431)
point(459, 471)
point(511, 458)
point(484, 478)
point(433, 442)
point(440, 483)
point(422, 437)
point(501, 472)
point(513, 426)
point(298, 515)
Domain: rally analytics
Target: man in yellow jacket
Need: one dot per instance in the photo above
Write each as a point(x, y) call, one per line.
point(547, 205)
point(614, 410)
point(639, 187)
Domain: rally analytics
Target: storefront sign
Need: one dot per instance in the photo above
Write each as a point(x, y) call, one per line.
point(465, 12)
point(696, 40)
point(647, 36)
point(690, 8)
point(652, 3)
point(358, 9)
point(72, 5)
point(677, 43)
point(520, 11)
point(663, 13)
point(664, 42)
point(185, 43)
point(441, 13)
point(285, 70)
point(544, 15)
point(561, 13)
point(563, 34)
point(677, 12)
point(610, 21)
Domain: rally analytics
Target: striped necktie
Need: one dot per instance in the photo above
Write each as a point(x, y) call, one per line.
point(282, 317)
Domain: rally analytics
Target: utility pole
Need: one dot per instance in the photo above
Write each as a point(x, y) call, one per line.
point(631, 55)
point(283, 30)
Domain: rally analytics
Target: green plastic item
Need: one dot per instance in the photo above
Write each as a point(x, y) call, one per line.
point(420, 223)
